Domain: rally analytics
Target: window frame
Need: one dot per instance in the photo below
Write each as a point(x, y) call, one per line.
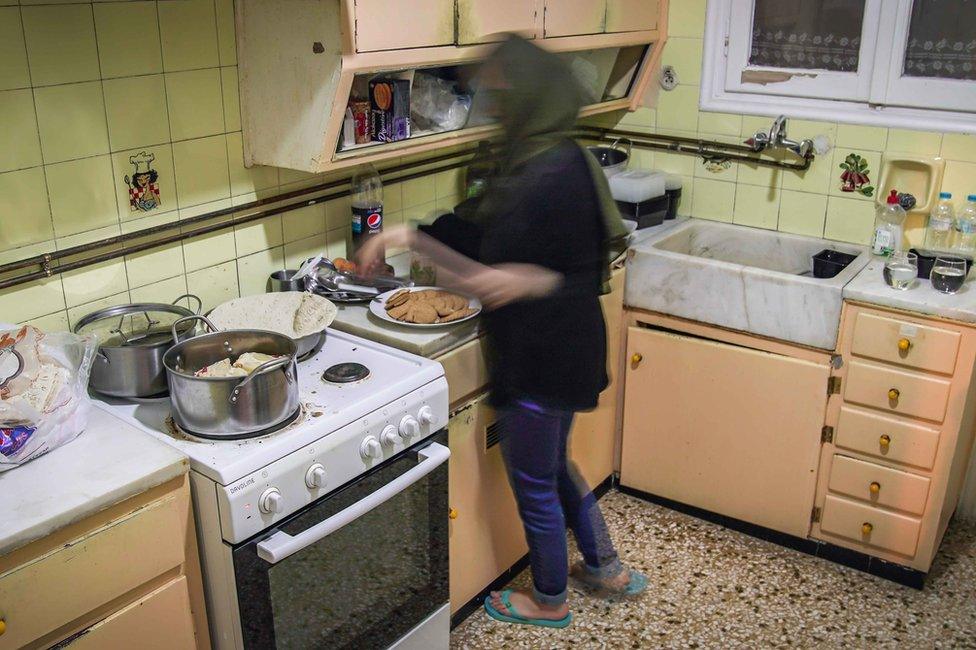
point(814, 98)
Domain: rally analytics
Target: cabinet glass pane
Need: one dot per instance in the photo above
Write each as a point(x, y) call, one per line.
point(807, 34)
point(942, 40)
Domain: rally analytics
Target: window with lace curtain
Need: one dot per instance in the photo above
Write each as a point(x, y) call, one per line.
point(904, 63)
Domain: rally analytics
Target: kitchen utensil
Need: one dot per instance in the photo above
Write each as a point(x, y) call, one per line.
point(828, 263)
point(231, 407)
point(132, 340)
point(948, 274)
point(285, 281)
point(611, 159)
point(900, 270)
point(325, 278)
point(378, 308)
point(926, 259)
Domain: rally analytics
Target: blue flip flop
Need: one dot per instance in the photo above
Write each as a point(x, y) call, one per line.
point(514, 617)
point(635, 585)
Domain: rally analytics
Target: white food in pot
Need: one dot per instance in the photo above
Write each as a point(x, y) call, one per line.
point(292, 313)
point(245, 365)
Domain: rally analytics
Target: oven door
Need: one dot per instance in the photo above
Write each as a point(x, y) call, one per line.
point(360, 567)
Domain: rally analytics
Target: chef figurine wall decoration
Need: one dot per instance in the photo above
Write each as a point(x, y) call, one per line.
point(143, 187)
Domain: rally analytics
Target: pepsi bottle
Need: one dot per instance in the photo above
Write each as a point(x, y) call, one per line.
point(367, 206)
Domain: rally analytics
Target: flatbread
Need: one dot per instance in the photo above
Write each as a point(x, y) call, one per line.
point(292, 313)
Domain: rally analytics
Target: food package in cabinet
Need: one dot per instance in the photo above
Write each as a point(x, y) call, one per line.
point(44, 399)
point(389, 102)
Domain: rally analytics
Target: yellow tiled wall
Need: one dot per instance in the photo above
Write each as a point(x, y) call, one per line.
point(808, 203)
point(86, 85)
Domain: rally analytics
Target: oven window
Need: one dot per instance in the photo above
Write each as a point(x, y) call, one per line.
point(363, 586)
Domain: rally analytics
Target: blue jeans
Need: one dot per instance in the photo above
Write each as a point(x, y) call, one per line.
point(551, 495)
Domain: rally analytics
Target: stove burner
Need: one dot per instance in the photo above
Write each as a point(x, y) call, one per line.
point(345, 373)
point(287, 422)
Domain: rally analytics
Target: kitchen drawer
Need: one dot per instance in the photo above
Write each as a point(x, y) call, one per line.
point(897, 391)
point(881, 486)
point(385, 25)
point(159, 620)
point(44, 594)
point(466, 370)
point(903, 343)
point(870, 526)
point(894, 439)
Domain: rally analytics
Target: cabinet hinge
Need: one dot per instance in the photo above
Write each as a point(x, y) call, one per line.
point(815, 515)
point(827, 434)
point(833, 385)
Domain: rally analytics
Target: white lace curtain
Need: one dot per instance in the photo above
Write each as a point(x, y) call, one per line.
point(942, 39)
point(821, 34)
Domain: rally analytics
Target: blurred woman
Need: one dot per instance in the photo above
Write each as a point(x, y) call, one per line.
point(540, 236)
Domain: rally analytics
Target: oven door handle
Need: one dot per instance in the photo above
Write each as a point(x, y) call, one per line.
point(281, 544)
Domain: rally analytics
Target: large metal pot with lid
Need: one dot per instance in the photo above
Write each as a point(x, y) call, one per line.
point(131, 342)
point(231, 407)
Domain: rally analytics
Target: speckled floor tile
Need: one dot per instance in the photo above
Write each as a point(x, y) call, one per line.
point(715, 588)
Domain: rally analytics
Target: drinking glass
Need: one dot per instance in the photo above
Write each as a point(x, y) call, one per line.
point(900, 270)
point(948, 274)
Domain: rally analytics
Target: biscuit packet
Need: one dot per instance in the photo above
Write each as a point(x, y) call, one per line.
point(44, 399)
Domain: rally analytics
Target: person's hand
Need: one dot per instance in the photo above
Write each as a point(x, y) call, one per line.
point(500, 285)
point(369, 258)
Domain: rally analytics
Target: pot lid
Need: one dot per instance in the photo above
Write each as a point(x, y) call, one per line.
point(138, 324)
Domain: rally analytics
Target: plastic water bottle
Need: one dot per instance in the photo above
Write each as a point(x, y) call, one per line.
point(966, 227)
point(938, 234)
point(888, 226)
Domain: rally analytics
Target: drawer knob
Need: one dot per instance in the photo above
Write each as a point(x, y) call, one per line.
point(3, 626)
point(875, 487)
point(452, 513)
point(904, 345)
point(884, 440)
point(893, 394)
point(866, 528)
point(636, 358)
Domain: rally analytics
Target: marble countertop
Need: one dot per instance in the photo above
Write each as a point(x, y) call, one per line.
point(108, 463)
point(869, 286)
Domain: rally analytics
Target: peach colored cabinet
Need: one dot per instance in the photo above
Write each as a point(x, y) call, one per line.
point(632, 15)
point(574, 17)
point(727, 428)
point(899, 434)
point(385, 25)
point(482, 22)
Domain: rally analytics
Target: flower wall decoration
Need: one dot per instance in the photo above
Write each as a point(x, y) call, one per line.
point(855, 175)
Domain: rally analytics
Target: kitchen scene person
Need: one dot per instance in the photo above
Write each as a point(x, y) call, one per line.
point(534, 249)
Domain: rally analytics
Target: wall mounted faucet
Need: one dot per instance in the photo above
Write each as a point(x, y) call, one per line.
point(777, 139)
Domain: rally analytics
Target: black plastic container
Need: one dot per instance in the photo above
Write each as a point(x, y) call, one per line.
point(828, 263)
point(646, 213)
point(926, 260)
point(673, 197)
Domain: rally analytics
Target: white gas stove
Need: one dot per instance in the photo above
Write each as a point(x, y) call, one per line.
point(274, 512)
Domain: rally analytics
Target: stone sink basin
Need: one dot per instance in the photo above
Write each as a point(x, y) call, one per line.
point(748, 279)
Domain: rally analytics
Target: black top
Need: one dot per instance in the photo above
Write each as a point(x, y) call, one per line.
point(552, 350)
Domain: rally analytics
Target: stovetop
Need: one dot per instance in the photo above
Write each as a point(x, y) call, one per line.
point(326, 407)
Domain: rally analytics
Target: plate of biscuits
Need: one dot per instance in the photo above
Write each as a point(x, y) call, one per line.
point(424, 307)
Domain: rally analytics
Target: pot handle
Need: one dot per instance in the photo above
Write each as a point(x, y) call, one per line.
point(190, 296)
point(263, 369)
point(630, 145)
point(186, 319)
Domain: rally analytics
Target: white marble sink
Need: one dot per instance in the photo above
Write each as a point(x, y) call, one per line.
point(749, 279)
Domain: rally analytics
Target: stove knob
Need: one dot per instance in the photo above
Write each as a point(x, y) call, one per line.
point(270, 501)
point(390, 435)
point(371, 448)
point(409, 427)
point(315, 476)
point(426, 415)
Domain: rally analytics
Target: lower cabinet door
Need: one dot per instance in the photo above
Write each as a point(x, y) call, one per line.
point(486, 532)
point(159, 620)
point(729, 429)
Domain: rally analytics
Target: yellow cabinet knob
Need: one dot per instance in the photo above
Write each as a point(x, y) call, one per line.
point(866, 528)
point(904, 345)
point(875, 487)
point(636, 358)
point(3, 626)
point(452, 513)
point(884, 440)
point(893, 394)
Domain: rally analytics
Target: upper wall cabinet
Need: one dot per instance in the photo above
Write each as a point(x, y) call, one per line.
point(310, 70)
point(479, 21)
point(401, 24)
point(574, 17)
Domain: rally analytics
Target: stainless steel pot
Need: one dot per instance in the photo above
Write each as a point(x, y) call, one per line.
point(611, 159)
point(132, 340)
point(231, 407)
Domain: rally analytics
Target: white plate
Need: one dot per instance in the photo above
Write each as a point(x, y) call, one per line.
point(378, 307)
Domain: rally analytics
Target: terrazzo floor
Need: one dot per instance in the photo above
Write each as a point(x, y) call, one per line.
point(716, 588)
